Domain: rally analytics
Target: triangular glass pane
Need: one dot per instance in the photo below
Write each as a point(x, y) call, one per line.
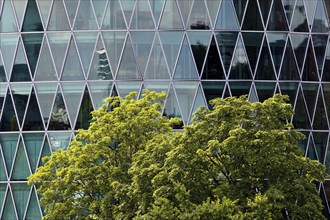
point(8, 120)
point(45, 70)
point(310, 72)
point(252, 19)
point(142, 18)
point(310, 9)
point(212, 67)
point(185, 68)
point(226, 92)
point(253, 96)
point(213, 6)
point(227, 18)
point(226, 43)
point(99, 8)
point(8, 143)
point(252, 42)
point(199, 101)
point(240, 8)
point(288, 8)
point(157, 68)
point(199, 42)
point(58, 20)
point(20, 95)
point(58, 43)
point(156, 8)
point(59, 140)
point(114, 42)
point(86, 44)
point(33, 210)
point(185, 92)
point(171, 108)
point(45, 93)
point(99, 91)
point(289, 70)
point(21, 168)
point(124, 88)
point(171, 18)
point(212, 90)
point(326, 69)
point(265, 90)
point(8, 44)
point(32, 21)
point(71, 7)
point(33, 143)
point(85, 18)
point(32, 43)
point(84, 116)
point(321, 141)
point(3, 75)
point(3, 173)
point(114, 18)
point(320, 121)
point(20, 71)
point(277, 45)
point(3, 189)
point(240, 88)
point(319, 46)
point(321, 22)
point(290, 89)
point(72, 68)
point(310, 92)
point(33, 119)
point(264, 8)
point(171, 43)
point(141, 42)
point(299, 43)
point(128, 68)
point(128, 6)
point(299, 20)
point(199, 18)
point(3, 91)
point(185, 8)
point(300, 117)
point(45, 152)
point(158, 86)
point(72, 92)
point(7, 19)
point(311, 152)
point(277, 20)
point(44, 7)
point(265, 68)
point(21, 193)
point(19, 6)
point(59, 119)
point(240, 68)
point(8, 208)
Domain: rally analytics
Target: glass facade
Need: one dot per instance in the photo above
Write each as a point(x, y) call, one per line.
point(60, 58)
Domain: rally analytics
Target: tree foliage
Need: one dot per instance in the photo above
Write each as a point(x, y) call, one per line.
point(238, 160)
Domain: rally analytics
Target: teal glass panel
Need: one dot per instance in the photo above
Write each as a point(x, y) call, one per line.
point(59, 140)
point(326, 95)
point(265, 90)
point(99, 7)
point(156, 8)
point(212, 90)
point(72, 67)
point(124, 88)
point(226, 43)
point(321, 141)
point(45, 93)
point(171, 18)
point(199, 18)
point(252, 42)
point(20, 94)
point(320, 121)
point(45, 70)
point(59, 118)
point(290, 89)
point(128, 7)
point(171, 43)
point(299, 20)
point(8, 44)
point(114, 42)
point(99, 91)
point(240, 88)
point(72, 92)
point(33, 120)
point(44, 153)
point(44, 8)
point(114, 18)
point(319, 46)
point(32, 43)
point(85, 18)
point(3, 188)
point(8, 120)
point(289, 70)
point(185, 68)
point(310, 72)
point(20, 71)
point(58, 43)
point(71, 7)
point(301, 118)
point(265, 68)
point(32, 21)
point(212, 68)
point(252, 19)
point(157, 68)
point(21, 167)
point(311, 152)
point(33, 210)
point(185, 92)
point(21, 193)
point(3, 172)
point(8, 209)
point(142, 42)
point(3, 75)
point(7, 19)
point(33, 143)
point(58, 20)
point(265, 8)
point(142, 18)
point(19, 6)
point(277, 45)
point(240, 6)
point(299, 43)
point(199, 102)
point(321, 23)
point(84, 116)
point(240, 68)
point(3, 91)
point(310, 92)
point(227, 18)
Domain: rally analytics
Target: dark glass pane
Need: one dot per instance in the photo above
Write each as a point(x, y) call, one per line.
point(240, 7)
point(227, 17)
point(277, 44)
point(289, 70)
point(310, 72)
point(252, 42)
point(33, 119)
point(319, 46)
point(326, 94)
point(20, 71)
point(59, 118)
point(8, 120)
point(252, 18)
point(326, 69)
point(320, 23)
point(226, 43)
point(300, 117)
point(239, 88)
point(265, 69)
point(21, 194)
point(32, 21)
point(20, 95)
point(288, 8)
point(310, 92)
point(265, 7)
point(320, 121)
point(213, 68)
point(299, 43)
point(299, 21)
point(290, 89)
point(84, 116)
point(212, 90)
point(321, 141)
point(277, 20)
point(33, 144)
point(265, 90)
point(32, 43)
point(240, 66)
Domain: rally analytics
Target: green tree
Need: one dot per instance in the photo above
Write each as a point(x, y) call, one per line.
point(238, 160)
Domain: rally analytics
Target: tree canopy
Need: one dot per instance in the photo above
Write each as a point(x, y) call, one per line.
point(238, 160)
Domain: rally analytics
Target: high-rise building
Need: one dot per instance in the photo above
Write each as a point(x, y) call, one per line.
point(60, 58)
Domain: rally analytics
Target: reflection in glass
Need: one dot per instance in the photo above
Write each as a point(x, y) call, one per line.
point(227, 17)
point(226, 43)
point(299, 19)
point(212, 90)
point(142, 17)
point(320, 23)
point(171, 18)
point(59, 140)
point(99, 91)
point(32, 21)
point(85, 18)
point(198, 18)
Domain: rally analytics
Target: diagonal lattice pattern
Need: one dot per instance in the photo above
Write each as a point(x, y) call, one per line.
point(60, 58)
